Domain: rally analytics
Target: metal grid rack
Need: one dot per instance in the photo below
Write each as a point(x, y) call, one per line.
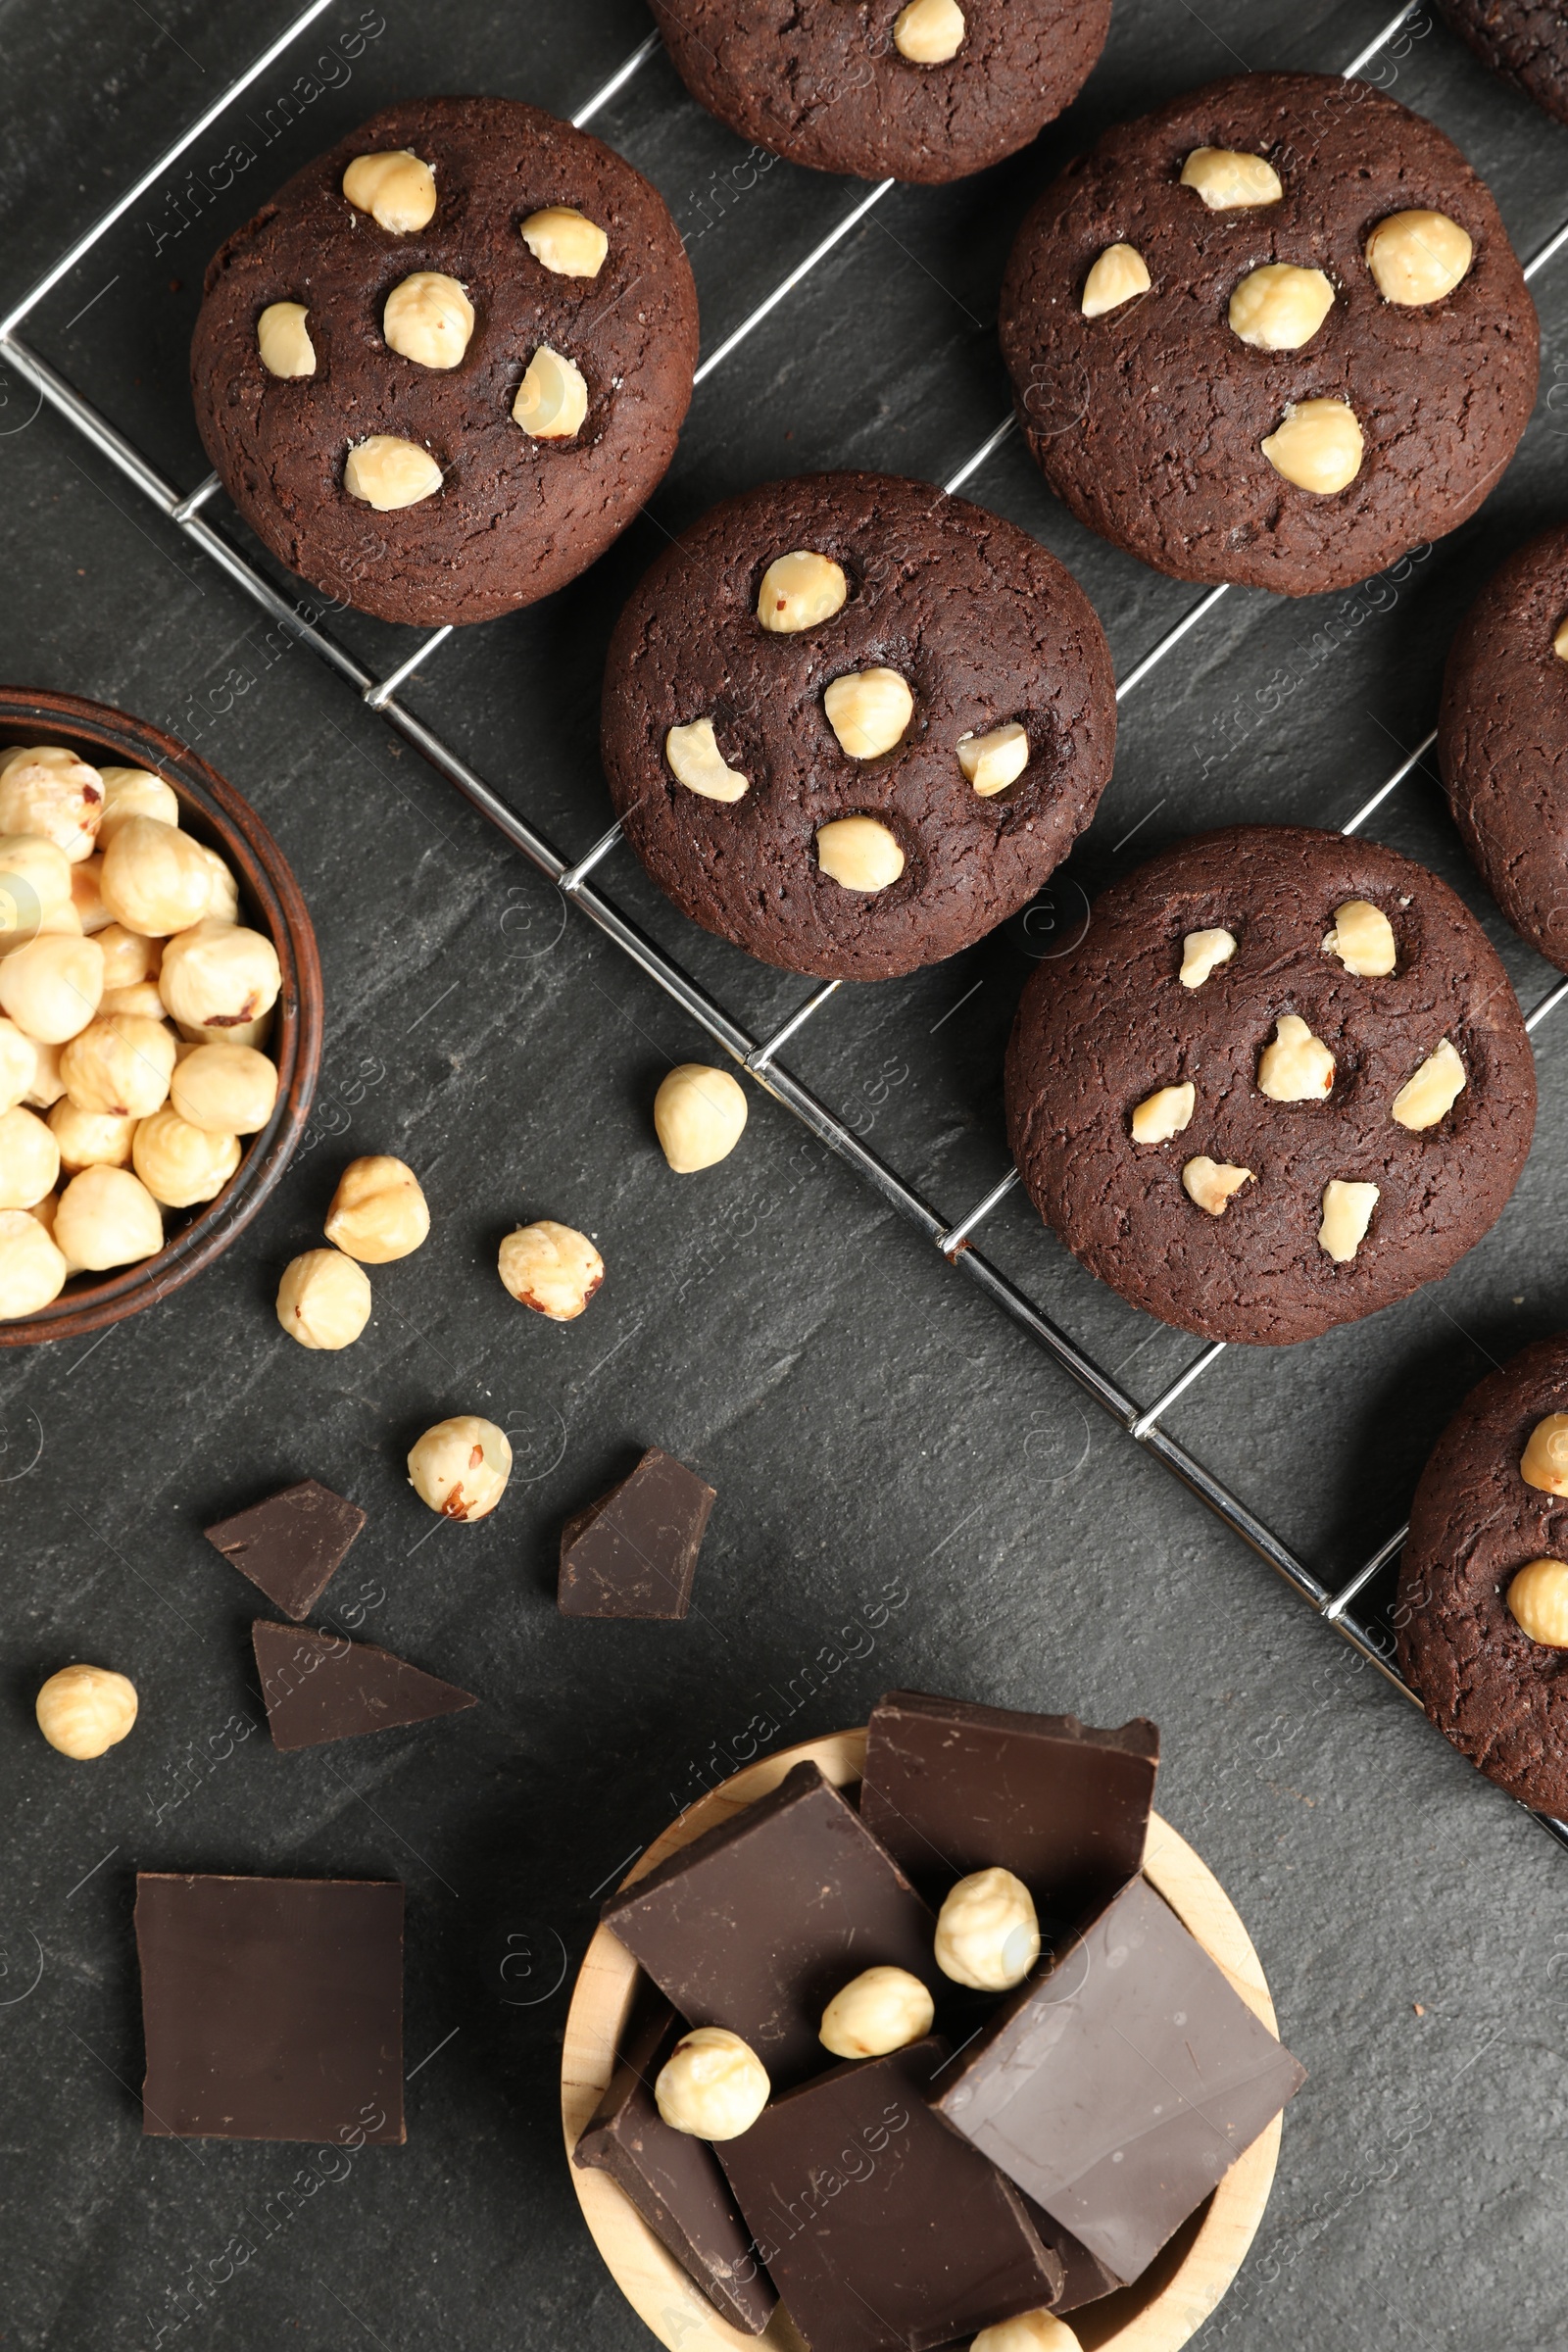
point(758, 1058)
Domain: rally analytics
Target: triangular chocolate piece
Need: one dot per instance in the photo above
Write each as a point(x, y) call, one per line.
point(321, 1686)
point(633, 1553)
point(292, 1545)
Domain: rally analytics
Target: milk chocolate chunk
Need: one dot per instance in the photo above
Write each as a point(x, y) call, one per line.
point(880, 2227)
point(1120, 2087)
point(633, 1553)
point(755, 1924)
point(321, 1686)
point(292, 1545)
point(272, 2008)
point(675, 2181)
point(951, 1788)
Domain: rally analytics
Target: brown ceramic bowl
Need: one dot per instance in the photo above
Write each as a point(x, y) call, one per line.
point(211, 811)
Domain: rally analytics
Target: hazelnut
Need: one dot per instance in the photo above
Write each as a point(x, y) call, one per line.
point(51, 987)
point(1318, 447)
point(1229, 182)
point(378, 1211)
point(987, 1933)
point(1209, 1184)
point(881, 2009)
point(1418, 257)
point(86, 895)
point(1202, 952)
point(119, 1064)
point(1559, 643)
point(713, 2085)
point(699, 1116)
point(107, 1217)
point(1346, 1214)
point(1362, 938)
point(428, 319)
point(82, 1710)
point(1029, 2332)
point(226, 1033)
point(396, 189)
point(388, 473)
point(1544, 1460)
point(222, 896)
point(697, 762)
point(1280, 307)
point(929, 31)
point(154, 878)
point(1538, 1602)
point(1163, 1114)
point(182, 1164)
point(19, 1061)
point(33, 1269)
point(565, 242)
point(323, 1299)
point(47, 1084)
point(1117, 276)
point(30, 1159)
point(135, 791)
point(283, 340)
point(799, 590)
point(34, 885)
point(219, 976)
point(860, 853)
point(90, 1138)
point(129, 956)
point(993, 761)
point(1298, 1067)
point(228, 1090)
point(552, 398)
point(142, 999)
point(1431, 1093)
point(868, 711)
point(49, 792)
point(551, 1268)
point(460, 1467)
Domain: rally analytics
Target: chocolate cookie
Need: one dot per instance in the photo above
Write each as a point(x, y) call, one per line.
point(852, 724)
point(884, 90)
point(1274, 334)
point(1281, 1082)
point(1491, 1503)
point(1524, 40)
point(1502, 740)
point(442, 393)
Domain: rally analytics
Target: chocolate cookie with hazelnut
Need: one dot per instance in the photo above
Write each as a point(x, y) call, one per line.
point(1526, 41)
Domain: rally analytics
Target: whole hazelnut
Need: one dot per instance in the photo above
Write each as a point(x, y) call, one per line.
point(552, 398)
point(223, 898)
point(34, 885)
point(928, 32)
point(1538, 1602)
point(143, 1000)
point(1543, 1464)
point(182, 1164)
point(1029, 2332)
point(107, 1217)
point(396, 187)
point(231, 1033)
point(86, 895)
point(460, 1467)
point(323, 1299)
point(154, 878)
point(389, 473)
point(283, 340)
point(48, 791)
point(987, 1933)
point(713, 2085)
point(90, 1138)
point(30, 1159)
point(120, 1065)
point(551, 1268)
point(798, 591)
point(19, 1061)
point(82, 1710)
point(32, 1270)
point(699, 1116)
point(230, 1090)
point(218, 975)
point(129, 956)
point(428, 319)
point(135, 791)
point(881, 2009)
point(378, 1211)
point(51, 987)
point(47, 1084)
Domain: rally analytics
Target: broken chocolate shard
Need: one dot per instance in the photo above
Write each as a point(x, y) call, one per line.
point(675, 2181)
point(1118, 2088)
point(272, 2008)
point(292, 1545)
point(321, 1686)
point(633, 1553)
point(1084, 2278)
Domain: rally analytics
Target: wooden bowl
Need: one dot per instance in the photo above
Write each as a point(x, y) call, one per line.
point(1158, 2312)
point(212, 811)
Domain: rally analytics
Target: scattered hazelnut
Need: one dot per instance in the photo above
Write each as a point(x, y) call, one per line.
point(107, 1217)
point(218, 975)
point(929, 31)
point(1418, 257)
point(120, 1065)
point(1209, 1184)
point(1362, 938)
point(30, 1159)
point(135, 791)
point(47, 1084)
point(987, 1933)
point(18, 1062)
point(551, 1268)
point(1346, 1215)
point(1202, 952)
point(283, 340)
point(552, 398)
point(32, 1270)
point(154, 878)
point(1298, 1067)
point(697, 762)
point(82, 1710)
point(460, 1467)
point(1030, 2331)
point(90, 1138)
point(34, 885)
point(129, 956)
point(1280, 307)
point(881, 2009)
point(799, 590)
point(868, 711)
point(1538, 1602)
point(228, 1090)
point(565, 242)
point(1431, 1093)
point(1164, 1114)
point(993, 761)
point(699, 1116)
point(428, 319)
point(323, 1299)
point(1544, 1460)
point(51, 987)
point(182, 1164)
point(396, 189)
point(86, 895)
point(860, 853)
point(378, 1211)
point(49, 792)
point(1318, 447)
point(713, 2085)
point(388, 473)
point(1229, 182)
point(1117, 276)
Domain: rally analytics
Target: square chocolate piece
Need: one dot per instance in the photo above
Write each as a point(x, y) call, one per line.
point(633, 1553)
point(272, 2008)
point(292, 1545)
point(1120, 2087)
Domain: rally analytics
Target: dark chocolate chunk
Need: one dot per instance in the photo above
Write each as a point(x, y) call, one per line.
point(675, 2181)
point(757, 1925)
point(881, 2228)
point(272, 2008)
point(951, 1787)
point(321, 1686)
point(292, 1545)
point(1084, 2277)
point(1120, 2087)
point(633, 1553)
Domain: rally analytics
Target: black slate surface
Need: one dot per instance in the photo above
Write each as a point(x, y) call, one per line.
point(911, 1493)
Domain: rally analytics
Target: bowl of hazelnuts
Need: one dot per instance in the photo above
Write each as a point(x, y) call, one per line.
point(160, 1015)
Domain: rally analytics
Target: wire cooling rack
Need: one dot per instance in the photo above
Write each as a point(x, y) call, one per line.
point(759, 1057)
